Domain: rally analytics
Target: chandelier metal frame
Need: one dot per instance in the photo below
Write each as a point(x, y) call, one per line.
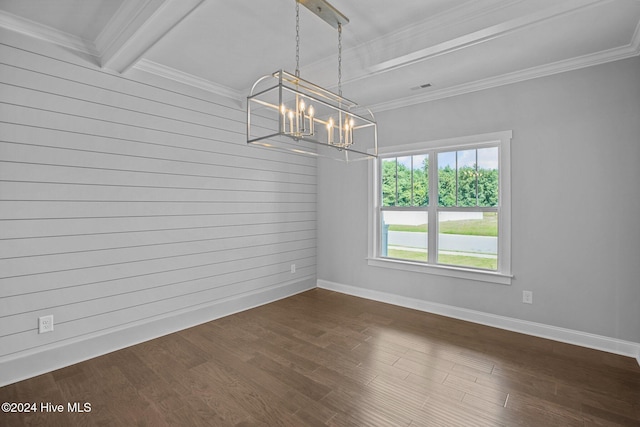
point(310, 119)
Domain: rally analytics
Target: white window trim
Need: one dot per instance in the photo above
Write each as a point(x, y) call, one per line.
point(503, 274)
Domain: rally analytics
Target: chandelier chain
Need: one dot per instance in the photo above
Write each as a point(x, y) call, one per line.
point(340, 59)
point(297, 38)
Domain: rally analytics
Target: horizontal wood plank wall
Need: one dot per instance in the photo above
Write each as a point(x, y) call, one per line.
point(123, 201)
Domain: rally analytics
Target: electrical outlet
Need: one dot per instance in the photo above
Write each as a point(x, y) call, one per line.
point(45, 324)
point(293, 268)
point(527, 297)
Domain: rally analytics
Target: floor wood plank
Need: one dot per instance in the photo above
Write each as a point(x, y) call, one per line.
point(321, 358)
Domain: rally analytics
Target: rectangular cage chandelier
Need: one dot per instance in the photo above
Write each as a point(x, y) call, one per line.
point(288, 113)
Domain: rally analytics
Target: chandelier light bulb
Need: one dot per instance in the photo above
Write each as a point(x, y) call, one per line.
point(330, 130)
point(283, 119)
point(290, 121)
point(311, 124)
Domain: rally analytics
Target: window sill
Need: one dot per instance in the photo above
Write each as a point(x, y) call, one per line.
point(441, 270)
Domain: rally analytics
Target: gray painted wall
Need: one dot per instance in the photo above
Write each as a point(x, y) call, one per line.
point(126, 201)
point(575, 203)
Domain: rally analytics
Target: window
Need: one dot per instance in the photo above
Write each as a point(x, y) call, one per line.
point(443, 207)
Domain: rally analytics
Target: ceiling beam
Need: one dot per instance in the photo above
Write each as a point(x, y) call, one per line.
point(481, 36)
point(136, 27)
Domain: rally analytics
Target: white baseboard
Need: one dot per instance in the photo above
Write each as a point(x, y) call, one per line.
point(584, 339)
point(67, 353)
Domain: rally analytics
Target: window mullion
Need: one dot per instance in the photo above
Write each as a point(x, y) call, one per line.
point(457, 179)
point(411, 202)
point(395, 203)
point(432, 241)
point(476, 165)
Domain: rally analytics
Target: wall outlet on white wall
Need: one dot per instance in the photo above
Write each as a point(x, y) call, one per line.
point(527, 297)
point(293, 268)
point(45, 324)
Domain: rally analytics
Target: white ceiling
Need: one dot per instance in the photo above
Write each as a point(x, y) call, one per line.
point(390, 48)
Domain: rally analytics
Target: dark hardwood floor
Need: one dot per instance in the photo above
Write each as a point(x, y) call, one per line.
point(323, 358)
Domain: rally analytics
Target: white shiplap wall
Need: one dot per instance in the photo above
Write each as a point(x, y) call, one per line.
point(124, 202)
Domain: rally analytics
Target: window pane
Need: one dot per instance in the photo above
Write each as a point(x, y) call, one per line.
point(468, 239)
point(447, 179)
point(421, 180)
point(404, 235)
point(388, 182)
point(488, 176)
point(404, 181)
point(467, 178)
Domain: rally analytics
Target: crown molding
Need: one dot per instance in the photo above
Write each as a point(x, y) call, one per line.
point(189, 79)
point(635, 40)
point(43, 32)
point(610, 55)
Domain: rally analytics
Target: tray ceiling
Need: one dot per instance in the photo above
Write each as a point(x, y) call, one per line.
point(390, 49)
